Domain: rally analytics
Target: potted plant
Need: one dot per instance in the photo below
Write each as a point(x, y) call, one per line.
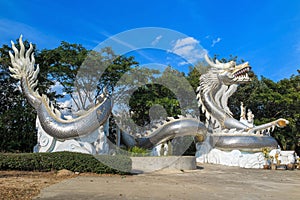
point(266, 152)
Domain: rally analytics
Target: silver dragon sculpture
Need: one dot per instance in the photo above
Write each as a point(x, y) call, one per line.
point(216, 86)
point(227, 133)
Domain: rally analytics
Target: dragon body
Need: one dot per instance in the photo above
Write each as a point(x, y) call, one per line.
point(169, 129)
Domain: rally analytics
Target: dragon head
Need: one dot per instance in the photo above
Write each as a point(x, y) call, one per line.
point(229, 73)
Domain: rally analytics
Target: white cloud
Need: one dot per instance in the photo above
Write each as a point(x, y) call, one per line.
point(189, 49)
point(156, 40)
point(215, 41)
point(185, 42)
point(183, 63)
point(66, 104)
point(57, 87)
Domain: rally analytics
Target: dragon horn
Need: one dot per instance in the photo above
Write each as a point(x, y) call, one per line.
point(211, 63)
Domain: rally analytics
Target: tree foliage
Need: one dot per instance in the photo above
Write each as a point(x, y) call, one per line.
point(169, 94)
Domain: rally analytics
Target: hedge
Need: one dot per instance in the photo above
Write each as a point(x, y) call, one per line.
point(76, 162)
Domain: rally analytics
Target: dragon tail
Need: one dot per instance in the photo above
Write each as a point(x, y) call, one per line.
point(23, 68)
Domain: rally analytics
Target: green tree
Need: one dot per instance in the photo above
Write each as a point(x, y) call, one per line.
point(83, 73)
point(151, 95)
point(195, 72)
point(269, 101)
point(63, 63)
point(170, 89)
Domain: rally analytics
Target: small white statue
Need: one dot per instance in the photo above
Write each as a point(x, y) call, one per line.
point(166, 149)
point(243, 111)
point(250, 117)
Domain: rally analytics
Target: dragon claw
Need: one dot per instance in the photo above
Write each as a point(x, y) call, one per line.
point(282, 122)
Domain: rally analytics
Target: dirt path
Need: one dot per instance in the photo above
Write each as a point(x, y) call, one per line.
point(211, 182)
point(26, 185)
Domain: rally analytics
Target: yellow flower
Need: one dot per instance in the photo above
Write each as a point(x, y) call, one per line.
point(266, 151)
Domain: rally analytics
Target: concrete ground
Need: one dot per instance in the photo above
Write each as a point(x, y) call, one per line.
point(207, 182)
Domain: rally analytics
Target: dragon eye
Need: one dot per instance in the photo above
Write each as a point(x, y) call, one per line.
point(250, 74)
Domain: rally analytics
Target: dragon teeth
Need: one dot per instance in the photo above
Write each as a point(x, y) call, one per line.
point(242, 71)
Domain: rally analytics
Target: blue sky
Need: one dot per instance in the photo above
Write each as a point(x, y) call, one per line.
point(265, 33)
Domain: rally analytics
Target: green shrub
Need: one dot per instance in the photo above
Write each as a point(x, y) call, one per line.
point(137, 151)
point(132, 152)
point(76, 162)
